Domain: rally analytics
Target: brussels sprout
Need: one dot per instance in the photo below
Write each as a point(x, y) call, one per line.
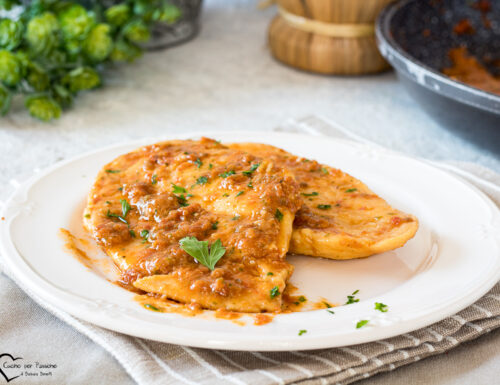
point(170, 14)
point(11, 33)
point(124, 51)
point(37, 77)
point(43, 107)
point(75, 22)
point(41, 33)
point(98, 44)
point(137, 32)
point(10, 68)
point(5, 98)
point(118, 15)
point(81, 79)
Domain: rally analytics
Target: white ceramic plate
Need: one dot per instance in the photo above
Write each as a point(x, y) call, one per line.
point(453, 260)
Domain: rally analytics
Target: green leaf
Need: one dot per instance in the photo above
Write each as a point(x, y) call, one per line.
point(125, 207)
point(202, 180)
point(361, 323)
point(303, 331)
point(178, 189)
point(275, 291)
point(227, 173)
point(198, 162)
point(324, 207)
point(199, 250)
point(313, 194)
point(252, 169)
point(381, 307)
point(278, 215)
point(350, 190)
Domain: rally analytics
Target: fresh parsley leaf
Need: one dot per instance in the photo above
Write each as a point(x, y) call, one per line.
point(350, 190)
point(302, 299)
point(202, 180)
point(270, 273)
point(313, 194)
point(240, 193)
point(225, 195)
point(324, 170)
point(125, 207)
point(331, 311)
point(227, 173)
point(132, 233)
point(361, 323)
point(278, 215)
point(381, 307)
point(324, 207)
point(198, 162)
point(182, 200)
point(151, 307)
point(235, 218)
point(351, 298)
point(275, 291)
point(144, 234)
point(199, 250)
point(87, 215)
point(328, 306)
point(210, 166)
point(303, 331)
point(109, 171)
point(214, 225)
point(118, 216)
point(250, 185)
point(178, 189)
point(154, 179)
point(254, 167)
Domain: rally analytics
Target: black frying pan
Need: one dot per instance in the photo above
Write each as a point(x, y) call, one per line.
point(415, 36)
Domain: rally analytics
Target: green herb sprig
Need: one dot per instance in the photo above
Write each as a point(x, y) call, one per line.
point(200, 251)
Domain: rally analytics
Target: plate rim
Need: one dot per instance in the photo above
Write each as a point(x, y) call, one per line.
point(361, 336)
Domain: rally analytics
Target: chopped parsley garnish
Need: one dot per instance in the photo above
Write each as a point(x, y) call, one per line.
point(361, 323)
point(109, 214)
point(252, 169)
point(112, 171)
point(202, 180)
point(235, 218)
point(151, 307)
point(198, 162)
point(200, 251)
point(250, 185)
point(154, 179)
point(178, 189)
point(225, 195)
point(132, 233)
point(303, 331)
point(270, 273)
point(108, 202)
point(324, 207)
point(324, 170)
point(87, 215)
point(349, 190)
point(240, 193)
point(181, 199)
point(125, 207)
point(227, 173)
point(331, 311)
point(210, 166)
point(381, 307)
point(328, 306)
point(120, 188)
point(144, 235)
point(278, 215)
point(302, 299)
point(313, 194)
point(351, 298)
point(275, 291)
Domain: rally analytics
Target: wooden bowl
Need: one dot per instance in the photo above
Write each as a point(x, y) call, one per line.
point(313, 48)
